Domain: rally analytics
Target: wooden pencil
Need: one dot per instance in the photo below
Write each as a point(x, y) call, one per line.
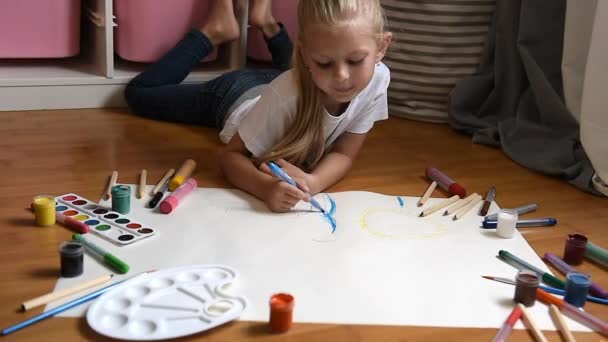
point(531, 324)
point(163, 180)
point(464, 210)
point(53, 296)
point(112, 182)
point(439, 206)
point(560, 323)
point(461, 203)
point(142, 184)
point(427, 194)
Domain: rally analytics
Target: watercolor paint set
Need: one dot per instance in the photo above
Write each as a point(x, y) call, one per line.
point(104, 222)
point(167, 304)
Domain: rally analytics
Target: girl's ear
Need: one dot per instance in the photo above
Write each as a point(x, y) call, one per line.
point(387, 37)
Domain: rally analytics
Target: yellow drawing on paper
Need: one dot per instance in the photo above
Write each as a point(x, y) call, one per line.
point(400, 224)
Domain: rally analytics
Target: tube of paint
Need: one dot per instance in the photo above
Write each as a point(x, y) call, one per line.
point(182, 174)
point(445, 182)
point(173, 200)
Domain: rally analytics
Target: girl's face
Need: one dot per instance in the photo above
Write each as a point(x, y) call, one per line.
point(342, 59)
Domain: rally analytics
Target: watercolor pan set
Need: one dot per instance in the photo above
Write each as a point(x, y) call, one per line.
point(104, 222)
point(167, 304)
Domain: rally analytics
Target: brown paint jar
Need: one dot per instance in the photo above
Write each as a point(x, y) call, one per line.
point(574, 251)
point(526, 284)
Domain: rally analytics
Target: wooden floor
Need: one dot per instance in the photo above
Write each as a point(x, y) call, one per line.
point(55, 152)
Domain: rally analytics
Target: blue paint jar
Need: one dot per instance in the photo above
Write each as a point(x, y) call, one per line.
point(577, 288)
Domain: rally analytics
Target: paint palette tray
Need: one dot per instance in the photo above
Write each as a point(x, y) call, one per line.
point(167, 304)
point(104, 222)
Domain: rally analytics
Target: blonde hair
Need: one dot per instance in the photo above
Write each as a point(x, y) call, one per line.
point(303, 143)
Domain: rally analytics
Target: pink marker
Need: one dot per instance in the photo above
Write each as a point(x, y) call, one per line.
point(79, 226)
point(445, 182)
point(173, 200)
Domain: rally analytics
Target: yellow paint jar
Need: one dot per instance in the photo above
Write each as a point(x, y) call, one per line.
point(44, 210)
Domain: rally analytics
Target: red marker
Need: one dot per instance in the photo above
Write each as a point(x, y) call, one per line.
point(79, 226)
point(445, 182)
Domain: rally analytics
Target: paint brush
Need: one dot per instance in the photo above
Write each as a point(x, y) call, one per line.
point(549, 289)
point(64, 307)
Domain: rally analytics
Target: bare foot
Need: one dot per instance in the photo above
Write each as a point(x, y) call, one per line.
point(260, 16)
point(221, 24)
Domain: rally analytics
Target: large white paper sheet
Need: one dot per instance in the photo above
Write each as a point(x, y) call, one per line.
point(383, 265)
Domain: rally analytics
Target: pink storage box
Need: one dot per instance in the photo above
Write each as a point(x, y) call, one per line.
point(39, 28)
point(147, 29)
point(286, 12)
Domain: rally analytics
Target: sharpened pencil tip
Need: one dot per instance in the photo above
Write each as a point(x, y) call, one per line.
point(419, 204)
point(488, 277)
point(454, 218)
point(421, 214)
point(445, 213)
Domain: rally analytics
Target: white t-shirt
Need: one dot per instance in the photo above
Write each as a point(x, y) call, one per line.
point(262, 121)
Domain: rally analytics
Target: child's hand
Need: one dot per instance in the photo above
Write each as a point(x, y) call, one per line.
point(282, 196)
point(305, 181)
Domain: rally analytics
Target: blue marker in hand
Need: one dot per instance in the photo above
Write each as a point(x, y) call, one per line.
point(277, 171)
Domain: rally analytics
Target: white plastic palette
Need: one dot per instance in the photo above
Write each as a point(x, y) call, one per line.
point(167, 304)
point(104, 222)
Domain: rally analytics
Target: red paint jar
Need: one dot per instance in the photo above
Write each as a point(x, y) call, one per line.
point(574, 251)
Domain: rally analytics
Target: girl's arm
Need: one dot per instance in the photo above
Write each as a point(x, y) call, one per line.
point(337, 162)
point(238, 168)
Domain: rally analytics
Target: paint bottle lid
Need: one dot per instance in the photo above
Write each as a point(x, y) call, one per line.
point(281, 312)
point(121, 191)
point(576, 239)
point(168, 204)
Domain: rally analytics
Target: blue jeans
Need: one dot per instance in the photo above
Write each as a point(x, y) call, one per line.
point(157, 93)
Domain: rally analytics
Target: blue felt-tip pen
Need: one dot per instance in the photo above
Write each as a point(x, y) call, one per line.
point(279, 172)
point(543, 222)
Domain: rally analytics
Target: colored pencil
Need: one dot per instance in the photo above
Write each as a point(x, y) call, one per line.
point(573, 312)
point(427, 194)
point(508, 325)
point(464, 210)
point(461, 203)
point(530, 323)
point(142, 183)
point(111, 183)
point(560, 323)
point(53, 296)
point(439, 206)
point(62, 308)
point(163, 180)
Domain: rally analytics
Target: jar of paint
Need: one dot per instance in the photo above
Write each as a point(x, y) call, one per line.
point(577, 288)
point(121, 198)
point(506, 224)
point(574, 251)
point(72, 258)
point(526, 283)
point(44, 210)
point(281, 312)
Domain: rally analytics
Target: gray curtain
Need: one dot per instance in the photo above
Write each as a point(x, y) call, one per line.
point(515, 100)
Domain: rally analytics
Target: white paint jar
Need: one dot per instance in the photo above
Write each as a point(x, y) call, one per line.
point(507, 222)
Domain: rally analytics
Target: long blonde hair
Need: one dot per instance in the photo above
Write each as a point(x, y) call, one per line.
point(303, 143)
